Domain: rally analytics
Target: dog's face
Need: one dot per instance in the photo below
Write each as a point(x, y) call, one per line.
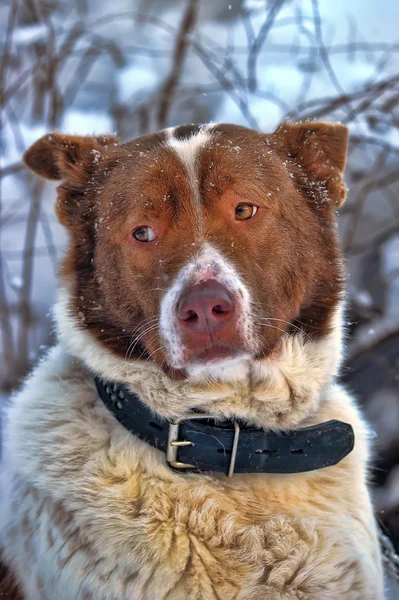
point(198, 248)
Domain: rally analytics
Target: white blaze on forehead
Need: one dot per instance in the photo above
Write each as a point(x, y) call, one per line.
point(187, 150)
point(209, 263)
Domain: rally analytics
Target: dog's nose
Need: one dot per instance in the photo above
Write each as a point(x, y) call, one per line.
point(205, 308)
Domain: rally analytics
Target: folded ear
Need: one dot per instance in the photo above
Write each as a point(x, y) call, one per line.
point(65, 157)
point(320, 150)
point(72, 159)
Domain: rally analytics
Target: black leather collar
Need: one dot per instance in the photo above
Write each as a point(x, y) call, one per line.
point(199, 444)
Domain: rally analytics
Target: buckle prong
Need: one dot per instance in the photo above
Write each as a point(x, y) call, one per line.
point(174, 443)
point(182, 443)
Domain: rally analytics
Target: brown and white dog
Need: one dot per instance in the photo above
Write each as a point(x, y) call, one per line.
point(204, 273)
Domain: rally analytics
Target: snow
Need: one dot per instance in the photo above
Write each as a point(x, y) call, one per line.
point(136, 80)
point(129, 86)
point(15, 282)
point(10, 150)
point(390, 268)
point(253, 5)
point(87, 123)
point(362, 127)
point(30, 34)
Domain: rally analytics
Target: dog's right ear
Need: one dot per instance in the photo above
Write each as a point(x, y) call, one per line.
point(66, 157)
point(71, 159)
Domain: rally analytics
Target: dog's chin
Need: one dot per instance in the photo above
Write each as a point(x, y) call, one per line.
point(215, 363)
point(228, 368)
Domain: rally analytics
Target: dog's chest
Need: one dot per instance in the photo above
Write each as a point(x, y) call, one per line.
point(92, 512)
point(147, 539)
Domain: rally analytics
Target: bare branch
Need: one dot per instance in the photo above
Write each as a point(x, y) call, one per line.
point(363, 194)
point(27, 279)
point(183, 42)
point(260, 40)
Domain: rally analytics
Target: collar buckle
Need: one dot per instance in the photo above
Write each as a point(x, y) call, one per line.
point(174, 443)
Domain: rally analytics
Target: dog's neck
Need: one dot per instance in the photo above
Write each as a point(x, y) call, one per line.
point(278, 392)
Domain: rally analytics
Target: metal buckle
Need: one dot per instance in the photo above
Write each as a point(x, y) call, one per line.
point(174, 443)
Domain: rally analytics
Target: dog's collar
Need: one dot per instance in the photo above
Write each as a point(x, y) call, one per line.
point(196, 443)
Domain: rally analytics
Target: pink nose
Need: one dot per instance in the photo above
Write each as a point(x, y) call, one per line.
point(205, 308)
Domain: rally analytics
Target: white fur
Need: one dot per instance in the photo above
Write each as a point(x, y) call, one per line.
point(89, 511)
point(187, 150)
point(299, 357)
point(233, 369)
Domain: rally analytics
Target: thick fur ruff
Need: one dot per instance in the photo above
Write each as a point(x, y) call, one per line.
point(90, 511)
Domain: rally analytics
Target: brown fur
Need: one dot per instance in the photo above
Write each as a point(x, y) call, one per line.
point(287, 254)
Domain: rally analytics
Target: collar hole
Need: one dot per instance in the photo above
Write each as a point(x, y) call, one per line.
point(156, 426)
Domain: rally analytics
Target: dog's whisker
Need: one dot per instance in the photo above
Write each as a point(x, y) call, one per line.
point(143, 324)
point(273, 327)
point(131, 349)
point(154, 352)
point(266, 342)
point(117, 337)
point(261, 305)
point(287, 322)
point(150, 341)
point(134, 333)
point(137, 339)
point(156, 289)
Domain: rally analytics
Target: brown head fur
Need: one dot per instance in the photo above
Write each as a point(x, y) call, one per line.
point(287, 255)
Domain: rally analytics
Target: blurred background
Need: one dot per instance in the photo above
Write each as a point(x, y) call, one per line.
point(135, 66)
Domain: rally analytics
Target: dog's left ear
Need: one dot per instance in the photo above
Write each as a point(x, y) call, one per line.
point(319, 149)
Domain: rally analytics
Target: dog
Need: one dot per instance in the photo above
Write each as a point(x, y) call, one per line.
point(187, 439)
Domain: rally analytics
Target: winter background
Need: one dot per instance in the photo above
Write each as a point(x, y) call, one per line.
point(134, 66)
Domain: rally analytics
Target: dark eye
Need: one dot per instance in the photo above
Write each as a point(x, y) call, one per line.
point(245, 212)
point(144, 234)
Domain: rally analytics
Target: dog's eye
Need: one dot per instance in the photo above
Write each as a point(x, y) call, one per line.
point(144, 234)
point(245, 211)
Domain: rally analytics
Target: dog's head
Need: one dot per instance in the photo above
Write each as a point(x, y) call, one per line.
point(201, 250)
